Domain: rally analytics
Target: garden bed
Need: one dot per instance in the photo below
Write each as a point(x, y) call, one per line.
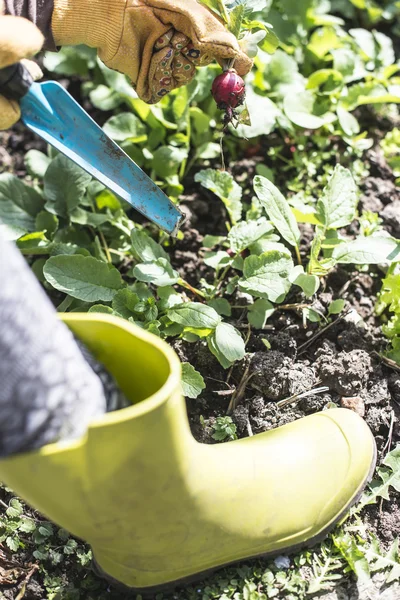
point(313, 350)
point(343, 354)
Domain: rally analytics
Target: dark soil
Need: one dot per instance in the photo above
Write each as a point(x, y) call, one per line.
point(380, 193)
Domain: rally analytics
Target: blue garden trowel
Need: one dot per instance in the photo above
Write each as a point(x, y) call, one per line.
point(51, 112)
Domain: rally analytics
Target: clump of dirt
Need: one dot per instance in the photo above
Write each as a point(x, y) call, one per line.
point(391, 218)
point(284, 343)
point(355, 337)
point(377, 388)
point(240, 417)
point(270, 374)
point(346, 373)
point(264, 416)
point(276, 376)
point(314, 403)
point(378, 419)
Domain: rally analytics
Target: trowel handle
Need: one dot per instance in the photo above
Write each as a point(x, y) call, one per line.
point(15, 81)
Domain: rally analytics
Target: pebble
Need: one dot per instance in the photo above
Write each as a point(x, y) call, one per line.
point(282, 562)
point(354, 403)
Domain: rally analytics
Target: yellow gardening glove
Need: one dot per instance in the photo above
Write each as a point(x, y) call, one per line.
point(157, 43)
point(18, 39)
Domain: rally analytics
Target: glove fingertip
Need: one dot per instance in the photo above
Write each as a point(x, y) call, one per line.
point(243, 65)
point(19, 38)
point(33, 68)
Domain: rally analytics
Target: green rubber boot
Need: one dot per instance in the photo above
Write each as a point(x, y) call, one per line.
point(159, 508)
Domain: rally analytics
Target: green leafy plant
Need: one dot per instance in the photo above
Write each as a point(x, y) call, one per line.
point(192, 382)
point(224, 429)
point(318, 65)
point(240, 17)
point(257, 248)
point(391, 149)
point(389, 300)
point(327, 568)
point(388, 476)
point(84, 264)
point(51, 544)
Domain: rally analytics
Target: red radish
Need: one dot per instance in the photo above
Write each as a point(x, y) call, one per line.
point(228, 90)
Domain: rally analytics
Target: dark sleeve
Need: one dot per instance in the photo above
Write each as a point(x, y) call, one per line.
point(37, 11)
point(51, 386)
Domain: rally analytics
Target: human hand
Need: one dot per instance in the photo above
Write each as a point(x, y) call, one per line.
point(19, 39)
point(157, 43)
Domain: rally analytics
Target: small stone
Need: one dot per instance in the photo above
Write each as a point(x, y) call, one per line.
point(391, 217)
point(282, 562)
point(353, 317)
point(355, 403)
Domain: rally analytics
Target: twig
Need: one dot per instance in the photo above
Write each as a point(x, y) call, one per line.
point(346, 286)
point(297, 397)
point(237, 396)
point(386, 447)
point(249, 429)
point(304, 346)
point(223, 392)
point(388, 361)
point(27, 578)
point(213, 379)
point(292, 306)
point(229, 375)
point(265, 328)
point(388, 443)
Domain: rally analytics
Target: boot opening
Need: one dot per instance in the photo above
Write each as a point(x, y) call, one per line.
point(140, 362)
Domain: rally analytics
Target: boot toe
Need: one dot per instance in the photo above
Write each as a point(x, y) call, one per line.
point(356, 465)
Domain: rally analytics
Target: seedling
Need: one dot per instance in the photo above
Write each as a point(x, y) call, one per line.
point(224, 429)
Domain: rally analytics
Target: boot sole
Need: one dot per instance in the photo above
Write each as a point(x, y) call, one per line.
point(148, 592)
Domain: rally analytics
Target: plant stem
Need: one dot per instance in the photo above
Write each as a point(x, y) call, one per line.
point(292, 306)
point(182, 169)
point(118, 253)
point(298, 255)
point(220, 279)
point(105, 246)
point(187, 286)
point(190, 164)
point(225, 14)
point(240, 390)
